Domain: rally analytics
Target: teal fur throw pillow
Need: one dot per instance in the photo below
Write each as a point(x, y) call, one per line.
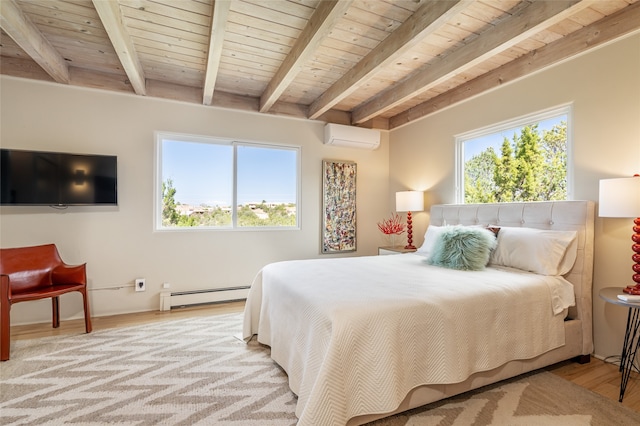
point(463, 247)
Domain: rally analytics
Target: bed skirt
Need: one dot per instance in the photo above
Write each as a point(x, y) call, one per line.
point(431, 393)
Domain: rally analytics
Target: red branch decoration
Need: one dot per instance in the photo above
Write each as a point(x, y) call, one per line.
point(391, 226)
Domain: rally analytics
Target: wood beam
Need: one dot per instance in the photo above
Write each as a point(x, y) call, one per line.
point(26, 35)
point(99, 80)
point(619, 24)
point(164, 90)
point(23, 68)
point(109, 12)
point(425, 21)
point(252, 104)
point(538, 16)
point(320, 24)
point(214, 54)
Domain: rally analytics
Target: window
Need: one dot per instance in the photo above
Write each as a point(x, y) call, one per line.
point(520, 160)
point(224, 184)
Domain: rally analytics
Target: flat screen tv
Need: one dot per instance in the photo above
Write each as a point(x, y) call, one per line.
point(38, 178)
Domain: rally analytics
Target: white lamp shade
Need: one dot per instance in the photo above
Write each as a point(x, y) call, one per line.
point(620, 197)
point(409, 201)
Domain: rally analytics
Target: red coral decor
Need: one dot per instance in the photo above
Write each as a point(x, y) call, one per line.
point(391, 226)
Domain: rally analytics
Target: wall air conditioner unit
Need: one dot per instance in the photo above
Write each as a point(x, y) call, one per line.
point(350, 136)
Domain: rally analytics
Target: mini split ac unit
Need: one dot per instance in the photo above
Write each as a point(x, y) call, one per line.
point(353, 137)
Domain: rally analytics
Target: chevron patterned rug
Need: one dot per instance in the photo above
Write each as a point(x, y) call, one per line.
point(195, 372)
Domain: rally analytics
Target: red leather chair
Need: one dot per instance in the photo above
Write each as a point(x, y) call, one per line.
point(32, 273)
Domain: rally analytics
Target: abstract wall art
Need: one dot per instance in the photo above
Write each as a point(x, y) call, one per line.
point(338, 206)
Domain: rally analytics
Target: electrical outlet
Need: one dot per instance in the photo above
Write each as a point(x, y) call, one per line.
point(166, 285)
point(140, 284)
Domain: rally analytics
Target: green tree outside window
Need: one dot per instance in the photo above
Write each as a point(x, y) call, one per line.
point(532, 166)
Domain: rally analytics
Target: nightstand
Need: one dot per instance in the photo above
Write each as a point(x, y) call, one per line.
point(394, 250)
point(631, 336)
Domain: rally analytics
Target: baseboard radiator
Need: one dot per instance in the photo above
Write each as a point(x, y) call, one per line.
point(182, 299)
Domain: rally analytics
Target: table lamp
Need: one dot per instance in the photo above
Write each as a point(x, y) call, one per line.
point(621, 198)
point(408, 201)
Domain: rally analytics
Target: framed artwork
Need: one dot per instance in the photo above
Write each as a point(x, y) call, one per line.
point(338, 206)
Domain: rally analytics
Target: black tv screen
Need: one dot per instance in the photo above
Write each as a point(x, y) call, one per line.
point(57, 179)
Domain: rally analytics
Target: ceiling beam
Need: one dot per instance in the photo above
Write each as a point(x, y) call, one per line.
point(320, 24)
point(425, 21)
point(26, 35)
point(526, 22)
point(109, 12)
point(214, 54)
point(619, 24)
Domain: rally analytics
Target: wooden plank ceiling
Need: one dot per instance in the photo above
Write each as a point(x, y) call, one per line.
point(373, 63)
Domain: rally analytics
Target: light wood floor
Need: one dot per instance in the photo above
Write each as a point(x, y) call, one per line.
point(597, 376)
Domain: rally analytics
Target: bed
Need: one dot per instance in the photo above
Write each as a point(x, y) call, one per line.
point(362, 338)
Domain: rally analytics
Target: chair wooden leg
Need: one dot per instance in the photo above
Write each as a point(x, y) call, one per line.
point(5, 324)
point(55, 307)
point(5, 332)
point(87, 314)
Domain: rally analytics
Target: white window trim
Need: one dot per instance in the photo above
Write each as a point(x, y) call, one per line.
point(157, 179)
point(521, 121)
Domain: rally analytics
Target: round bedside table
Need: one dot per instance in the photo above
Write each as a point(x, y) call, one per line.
point(631, 335)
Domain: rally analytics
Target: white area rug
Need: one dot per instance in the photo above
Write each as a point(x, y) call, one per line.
point(194, 372)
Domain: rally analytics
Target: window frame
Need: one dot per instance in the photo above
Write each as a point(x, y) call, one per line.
point(160, 136)
point(518, 122)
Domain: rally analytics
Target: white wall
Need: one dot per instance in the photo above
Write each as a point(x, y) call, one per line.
point(119, 243)
point(604, 88)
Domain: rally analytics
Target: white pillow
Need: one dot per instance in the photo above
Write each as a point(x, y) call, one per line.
point(430, 238)
point(541, 251)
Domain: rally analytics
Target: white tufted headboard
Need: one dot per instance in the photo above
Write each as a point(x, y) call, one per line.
point(558, 215)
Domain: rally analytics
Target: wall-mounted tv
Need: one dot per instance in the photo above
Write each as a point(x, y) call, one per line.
point(38, 178)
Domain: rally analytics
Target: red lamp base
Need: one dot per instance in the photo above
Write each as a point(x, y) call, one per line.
point(410, 245)
point(636, 249)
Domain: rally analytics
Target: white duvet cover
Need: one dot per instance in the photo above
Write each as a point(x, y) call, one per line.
point(356, 334)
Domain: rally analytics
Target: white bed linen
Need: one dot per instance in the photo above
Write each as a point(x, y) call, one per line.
point(355, 335)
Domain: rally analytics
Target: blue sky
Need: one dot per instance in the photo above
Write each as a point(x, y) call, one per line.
point(477, 145)
point(202, 173)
